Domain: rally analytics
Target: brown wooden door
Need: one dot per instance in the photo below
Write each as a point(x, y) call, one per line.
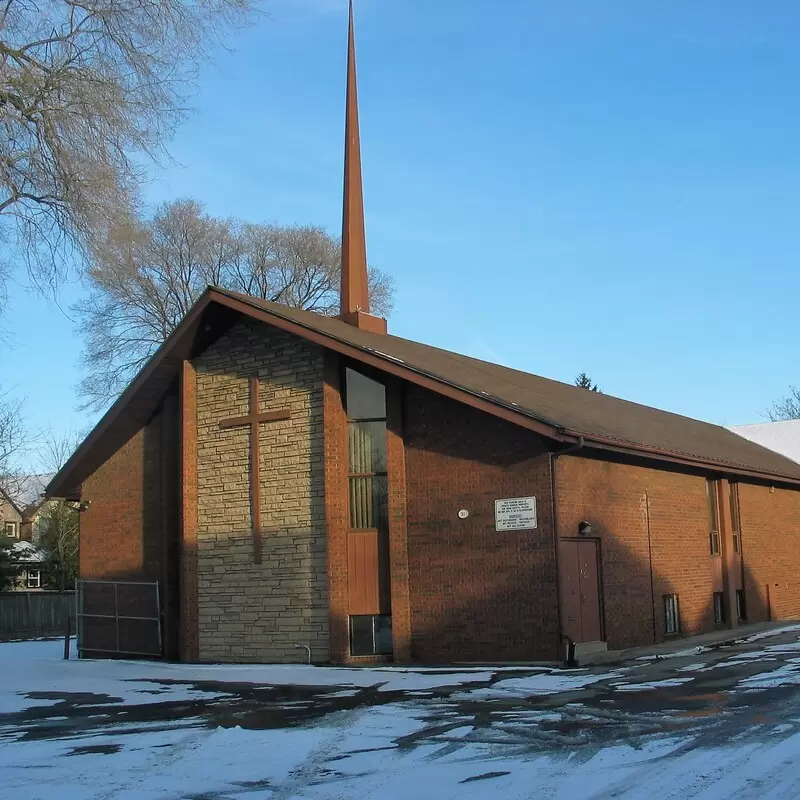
point(580, 590)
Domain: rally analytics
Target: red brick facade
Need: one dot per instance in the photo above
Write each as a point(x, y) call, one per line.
point(118, 539)
point(476, 594)
point(617, 500)
point(460, 590)
point(655, 521)
point(771, 551)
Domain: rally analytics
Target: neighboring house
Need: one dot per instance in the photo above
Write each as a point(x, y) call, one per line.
point(781, 437)
point(10, 517)
point(29, 498)
point(21, 516)
point(30, 560)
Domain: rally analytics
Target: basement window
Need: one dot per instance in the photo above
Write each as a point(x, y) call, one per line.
point(741, 607)
point(719, 608)
point(371, 635)
point(672, 621)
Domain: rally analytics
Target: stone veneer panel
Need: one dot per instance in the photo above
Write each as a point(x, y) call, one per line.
point(258, 612)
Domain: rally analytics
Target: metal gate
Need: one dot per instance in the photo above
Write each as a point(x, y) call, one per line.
point(118, 618)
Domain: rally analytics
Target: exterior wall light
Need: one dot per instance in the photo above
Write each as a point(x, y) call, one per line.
point(584, 528)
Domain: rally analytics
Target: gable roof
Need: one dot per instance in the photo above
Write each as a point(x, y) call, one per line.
point(7, 498)
point(560, 411)
point(28, 494)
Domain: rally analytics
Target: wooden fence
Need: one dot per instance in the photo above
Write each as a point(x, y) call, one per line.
point(29, 615)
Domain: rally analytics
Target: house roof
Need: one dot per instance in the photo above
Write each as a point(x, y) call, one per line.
point(27, 553)
point(781, 437)
point(561, 411)
point(29, 490)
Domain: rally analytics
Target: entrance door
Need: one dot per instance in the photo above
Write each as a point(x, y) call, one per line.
point(580, 590)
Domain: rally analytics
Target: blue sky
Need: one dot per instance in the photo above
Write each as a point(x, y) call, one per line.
point(609, 187)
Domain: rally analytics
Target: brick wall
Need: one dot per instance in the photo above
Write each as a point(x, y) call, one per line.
point(248, 611)
point(120, 531)
point(614, 498)
point(770, 521)
point(476, 594)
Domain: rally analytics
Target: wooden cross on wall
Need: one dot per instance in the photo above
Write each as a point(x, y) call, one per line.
point(254, 419)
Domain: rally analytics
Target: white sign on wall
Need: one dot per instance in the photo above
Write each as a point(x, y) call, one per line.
point(515, 514)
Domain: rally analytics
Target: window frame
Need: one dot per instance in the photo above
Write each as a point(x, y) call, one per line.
point(369, 477)
point(718, 599)
point(741, 605)
point(671, 600)
point(736, 522)
point(376, 651)
point(712, 502)
point(29, 573)
point(14, 529)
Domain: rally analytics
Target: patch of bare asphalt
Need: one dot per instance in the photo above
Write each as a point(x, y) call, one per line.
point(709, 709)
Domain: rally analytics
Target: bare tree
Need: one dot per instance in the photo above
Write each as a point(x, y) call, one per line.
point(786, 408)
point(54, 448)
point(146, 275)
point(87, 88)
point(58, 534)
point(13, 442)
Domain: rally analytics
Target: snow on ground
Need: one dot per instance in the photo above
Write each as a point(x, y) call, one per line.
point(85, 730)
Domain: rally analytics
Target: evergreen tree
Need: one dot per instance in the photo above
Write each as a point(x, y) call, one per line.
point(585, 382)
point(8, 569)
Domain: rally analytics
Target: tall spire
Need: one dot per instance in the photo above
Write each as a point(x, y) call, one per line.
point(355, 288)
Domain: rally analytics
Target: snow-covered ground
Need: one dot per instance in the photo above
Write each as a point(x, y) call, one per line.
point(720, 724)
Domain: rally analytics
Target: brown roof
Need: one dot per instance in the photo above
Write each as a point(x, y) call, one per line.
point(561, 411)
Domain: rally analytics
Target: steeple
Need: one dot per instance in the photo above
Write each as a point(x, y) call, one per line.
point(355, 288)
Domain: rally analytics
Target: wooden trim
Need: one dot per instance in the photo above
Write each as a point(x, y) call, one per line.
point(729, 562)
point(399, 583)
point(189, 623)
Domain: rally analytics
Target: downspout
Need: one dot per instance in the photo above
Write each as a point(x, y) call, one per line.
point(572, 448)
point(650, 554)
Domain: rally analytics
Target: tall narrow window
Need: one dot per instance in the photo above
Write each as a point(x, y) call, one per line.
point(713, 516)
point(370, 634)
point(733, 495)
point(10, 529)
point(672, 621)
point(366, 411)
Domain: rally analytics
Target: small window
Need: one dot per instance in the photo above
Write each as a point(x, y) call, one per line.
point(366, 399)
point(371, 635)
point(671, 615)
point(11, 529)
point(719, 608)
point(741, 608)
point(34, 579)
point(713, 517)
point(733, 496)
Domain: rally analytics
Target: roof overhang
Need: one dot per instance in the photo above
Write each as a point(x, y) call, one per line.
point(216, 311)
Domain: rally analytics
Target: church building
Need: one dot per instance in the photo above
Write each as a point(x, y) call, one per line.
point(276, 484)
